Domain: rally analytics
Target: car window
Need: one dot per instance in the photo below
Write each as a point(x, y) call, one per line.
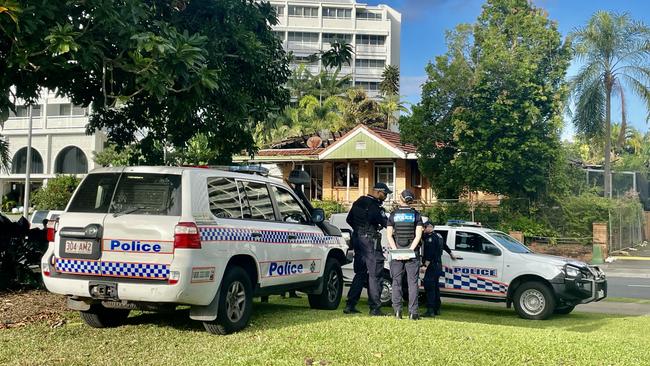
point(258, 204)
point(39, 216)
point(472, 242)
point(224, 198)
point(510, 243)
point(290, 210)
point(148, 194)
point(95, 193)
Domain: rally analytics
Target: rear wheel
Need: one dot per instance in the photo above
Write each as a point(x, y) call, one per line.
point(99, 316)
point(534, 300)
point(563, 310)
point(330, 298)
point(235, 303)
point(386, 291)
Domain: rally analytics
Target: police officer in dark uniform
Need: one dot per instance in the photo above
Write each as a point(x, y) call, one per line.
point(433, 245)
point(404, 232)
point(367, 218)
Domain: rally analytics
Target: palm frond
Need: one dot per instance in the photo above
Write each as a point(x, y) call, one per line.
point(4, 155)
point(589, 116)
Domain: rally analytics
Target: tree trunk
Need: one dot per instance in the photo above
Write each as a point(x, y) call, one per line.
point(608, 137)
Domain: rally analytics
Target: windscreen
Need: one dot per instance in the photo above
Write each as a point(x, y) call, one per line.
point(129, 193)
point(509, 243)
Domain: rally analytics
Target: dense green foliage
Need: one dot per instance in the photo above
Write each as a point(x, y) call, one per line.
point(156, 71)
point(490, 115)
point(330, 207)
point(389, 81)
point(56, 194)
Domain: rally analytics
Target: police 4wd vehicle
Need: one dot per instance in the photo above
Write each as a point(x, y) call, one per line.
point(155, 237)
point(496, 267)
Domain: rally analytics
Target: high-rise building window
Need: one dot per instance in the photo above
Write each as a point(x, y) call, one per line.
point(368, 15)
point(65, 110)
point(341, 37)
point(337, 13)
point(367, 63)
point(279, 9)
point(23, 111)
point(303, 11)
point(370, 40)
point(371, 86)
point(279, 35)
point(303, 37)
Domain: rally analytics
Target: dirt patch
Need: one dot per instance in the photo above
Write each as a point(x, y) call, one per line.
point(575, 251)
point(18, 309)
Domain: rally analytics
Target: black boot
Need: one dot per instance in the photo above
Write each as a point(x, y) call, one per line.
point(430, 313)
point(377, 312)
point(398, 315)
point(415, 316)
point(350, 310)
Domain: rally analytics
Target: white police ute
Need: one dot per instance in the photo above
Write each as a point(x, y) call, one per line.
point(496, 267)
point(156, 237)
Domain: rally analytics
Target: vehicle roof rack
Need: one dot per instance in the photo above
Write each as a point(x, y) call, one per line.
point(246, 169)
point(463, 223)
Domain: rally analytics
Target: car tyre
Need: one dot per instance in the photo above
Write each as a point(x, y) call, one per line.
point(235, 303)
point(564, 310)
point(99, 316)
point(330, 298)
point(386, 294)
point(534, 300)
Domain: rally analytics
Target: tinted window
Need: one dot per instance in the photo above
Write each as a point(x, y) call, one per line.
point(39, 216)
point(471, 242)
point(142, 194)
point(148, 194)
point(510, 243)
point(224, 198)
point(290, 210)
point(94, 194)
point(258, 204)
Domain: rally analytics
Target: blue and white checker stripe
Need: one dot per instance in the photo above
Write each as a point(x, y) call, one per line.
point(113, 269)
point(470, 283)
point(219, 234)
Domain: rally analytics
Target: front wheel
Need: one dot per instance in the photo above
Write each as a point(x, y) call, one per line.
point(235, 303)
point(99, 316)
point(386, 295)
point(534, 300)
point(330, 298)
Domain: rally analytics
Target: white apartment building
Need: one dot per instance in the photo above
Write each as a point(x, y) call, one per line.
point(60, 144)
point(308, 26)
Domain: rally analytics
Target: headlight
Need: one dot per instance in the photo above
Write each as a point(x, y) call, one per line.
point(571, 271)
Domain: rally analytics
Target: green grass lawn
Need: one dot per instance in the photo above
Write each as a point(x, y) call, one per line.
point(287, 332)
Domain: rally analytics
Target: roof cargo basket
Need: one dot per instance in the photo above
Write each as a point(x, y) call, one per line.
point(246, 169)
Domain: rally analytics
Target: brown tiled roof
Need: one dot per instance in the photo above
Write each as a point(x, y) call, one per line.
point(289, 152)
point(393, 138)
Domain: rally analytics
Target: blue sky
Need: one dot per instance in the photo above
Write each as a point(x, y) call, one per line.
point(424, 23)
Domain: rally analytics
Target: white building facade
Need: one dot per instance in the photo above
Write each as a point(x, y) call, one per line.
point(60, 144)
point(308, 26)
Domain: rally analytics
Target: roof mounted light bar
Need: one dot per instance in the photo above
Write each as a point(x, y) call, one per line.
point(246, 169)
point(463, 223)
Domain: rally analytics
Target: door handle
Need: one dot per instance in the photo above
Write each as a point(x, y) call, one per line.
point(292, 237)
point(256, 235)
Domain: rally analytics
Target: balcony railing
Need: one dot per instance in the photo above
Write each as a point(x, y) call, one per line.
point(293, 45)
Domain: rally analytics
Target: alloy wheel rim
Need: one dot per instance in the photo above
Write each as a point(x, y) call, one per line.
point(332, 286)
point(235, 301)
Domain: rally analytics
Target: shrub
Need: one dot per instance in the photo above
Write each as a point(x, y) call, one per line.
point(56, 194)
point(20, 249)
point(330, 207)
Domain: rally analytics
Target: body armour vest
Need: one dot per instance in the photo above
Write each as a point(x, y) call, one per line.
point(360, 219)
point(404, 219)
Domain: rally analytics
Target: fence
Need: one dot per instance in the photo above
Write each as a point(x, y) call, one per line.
point(625, 227)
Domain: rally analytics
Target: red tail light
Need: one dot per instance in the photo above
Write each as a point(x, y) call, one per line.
point(51, 229)
point(186, 235)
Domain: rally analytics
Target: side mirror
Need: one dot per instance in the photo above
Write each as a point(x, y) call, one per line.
point(492, 250)
point(317, 215)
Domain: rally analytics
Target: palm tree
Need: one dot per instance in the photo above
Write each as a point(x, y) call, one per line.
point(4, 154)
point(360, 109)
point(301, 82)
point(329, 84)
point(340, 53)
point(322, 117)
point(615, 51)
point(390, 81)
point(389, 105)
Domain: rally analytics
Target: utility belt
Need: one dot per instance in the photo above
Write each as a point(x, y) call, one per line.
point(374, 236)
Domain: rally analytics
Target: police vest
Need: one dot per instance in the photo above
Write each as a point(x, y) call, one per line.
point(360, 218)
point(404, 226)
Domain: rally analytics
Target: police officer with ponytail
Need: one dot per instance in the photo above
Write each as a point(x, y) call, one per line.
point(404, 231)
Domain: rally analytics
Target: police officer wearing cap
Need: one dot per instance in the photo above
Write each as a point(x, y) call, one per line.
point(433, 245)
point(404, 231)
point(367, 218)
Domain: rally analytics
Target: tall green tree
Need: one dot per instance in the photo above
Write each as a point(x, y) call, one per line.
point(491, 109)
point(390, 105)
point(4, 154)
point(360, 109)
point(169, 68)
point(389, 81)
point(339, 54)
point(615, 55)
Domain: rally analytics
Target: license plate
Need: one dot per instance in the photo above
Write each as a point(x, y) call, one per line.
point(79, 246)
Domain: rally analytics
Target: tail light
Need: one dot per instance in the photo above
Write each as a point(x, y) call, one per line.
point(186, 235)
point(52, 225)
